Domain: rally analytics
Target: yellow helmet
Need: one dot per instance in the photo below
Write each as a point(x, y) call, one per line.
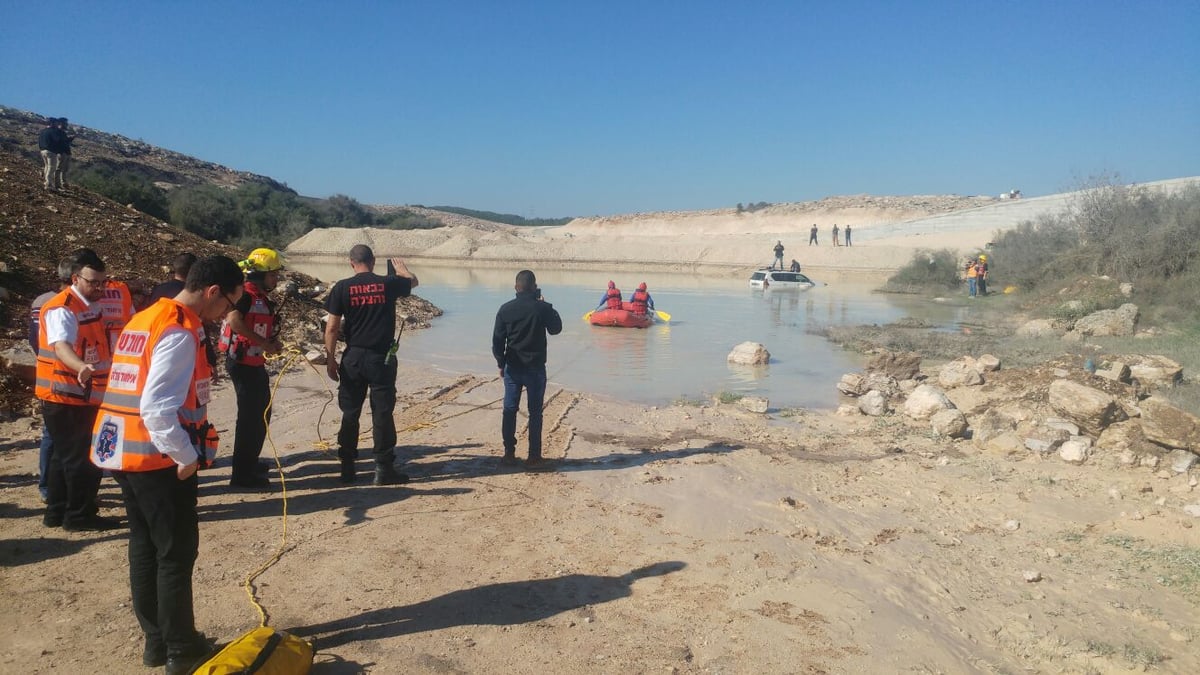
point(262, 260)
point(983, 258)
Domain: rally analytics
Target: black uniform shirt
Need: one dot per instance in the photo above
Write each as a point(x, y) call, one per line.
point(367, 304)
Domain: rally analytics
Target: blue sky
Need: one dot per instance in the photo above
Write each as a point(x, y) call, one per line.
point(549, 109)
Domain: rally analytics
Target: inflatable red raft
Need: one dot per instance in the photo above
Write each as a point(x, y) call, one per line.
point(622, 318)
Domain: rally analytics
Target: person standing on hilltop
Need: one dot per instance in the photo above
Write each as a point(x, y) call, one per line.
point(366, 305)
point(778, 255)
point(835, 235)
point(519, 345)
point(249, 334)
point(64, 157)
point(812, 236)
point(50, 143)
point(848, 236)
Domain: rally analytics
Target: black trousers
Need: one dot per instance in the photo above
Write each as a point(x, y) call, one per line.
point(252, 386)
point(362, 370)
point(164, 539)
point(72, 481)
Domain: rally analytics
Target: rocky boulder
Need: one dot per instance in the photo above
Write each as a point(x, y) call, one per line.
point(1120, 321)
point(1167, 425)
point(873, 403)
point(882, 383)
point(749, 354)
point(925, 401)
point(1076, 450)
point(990, 425)
point(949, 423)
point(1115, 371)
point(1091, 409)
point(1154, 371)
point(1038, 328)
point(959, 373)
point(898, 365)
point(853, 384)
point(19, 359)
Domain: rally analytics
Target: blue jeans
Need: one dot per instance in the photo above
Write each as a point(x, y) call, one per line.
point(971, 286)
point(533, 381)
point(44, 462)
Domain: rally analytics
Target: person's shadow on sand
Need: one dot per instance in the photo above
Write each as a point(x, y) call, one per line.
point(510, 603)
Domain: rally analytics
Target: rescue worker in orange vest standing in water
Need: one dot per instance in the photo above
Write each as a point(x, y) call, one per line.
point(153, 434)
point(251, 332)
point(73, 359)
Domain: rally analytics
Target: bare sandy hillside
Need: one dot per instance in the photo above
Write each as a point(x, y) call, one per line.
point(887, 231)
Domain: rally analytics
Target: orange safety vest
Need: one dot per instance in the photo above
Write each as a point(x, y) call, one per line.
point(117, 306)
point(971, 271)
point(638, 302)
point(612, 298)
point(55, 382)
point(260, 319)
point(120, 440)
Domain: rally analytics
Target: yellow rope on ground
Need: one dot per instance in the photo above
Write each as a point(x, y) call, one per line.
point(248, 583)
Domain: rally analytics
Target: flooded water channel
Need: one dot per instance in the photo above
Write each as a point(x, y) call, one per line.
point(668, 361)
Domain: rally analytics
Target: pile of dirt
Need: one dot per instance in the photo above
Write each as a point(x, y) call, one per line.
point(38, 228)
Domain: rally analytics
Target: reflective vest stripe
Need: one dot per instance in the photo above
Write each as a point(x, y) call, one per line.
point(55, 382)
point(120, 439)
point(116, 307)
point(260, 320)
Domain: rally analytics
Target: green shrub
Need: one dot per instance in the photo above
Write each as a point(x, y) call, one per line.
point(927, 271)
point(126, 187)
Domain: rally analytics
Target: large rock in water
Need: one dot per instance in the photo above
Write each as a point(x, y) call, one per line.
point(749, 354)
point(1164, 424)
point(1119, 321)
point(1091, 409)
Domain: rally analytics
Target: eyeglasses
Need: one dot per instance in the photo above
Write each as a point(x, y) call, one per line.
point(98, 282)
point(232, 304)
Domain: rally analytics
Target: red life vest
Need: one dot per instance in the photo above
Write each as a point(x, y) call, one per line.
point(638, 301)
point(120, 439)
point(612, 298)
point(55, 381)
point(260, 319)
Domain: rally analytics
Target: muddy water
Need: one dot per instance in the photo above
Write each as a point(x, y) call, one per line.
point(668, 361)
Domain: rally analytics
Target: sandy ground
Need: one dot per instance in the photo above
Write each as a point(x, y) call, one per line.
point(681, 539)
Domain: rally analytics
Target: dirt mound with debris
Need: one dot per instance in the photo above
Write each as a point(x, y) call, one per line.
point(38, 228)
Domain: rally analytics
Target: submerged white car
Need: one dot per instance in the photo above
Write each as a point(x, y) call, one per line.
point(767, 278)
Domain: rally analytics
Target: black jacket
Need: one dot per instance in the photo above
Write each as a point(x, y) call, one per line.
point(519, 338)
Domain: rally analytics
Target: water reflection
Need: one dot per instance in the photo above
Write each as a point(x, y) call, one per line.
point(655, 365)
